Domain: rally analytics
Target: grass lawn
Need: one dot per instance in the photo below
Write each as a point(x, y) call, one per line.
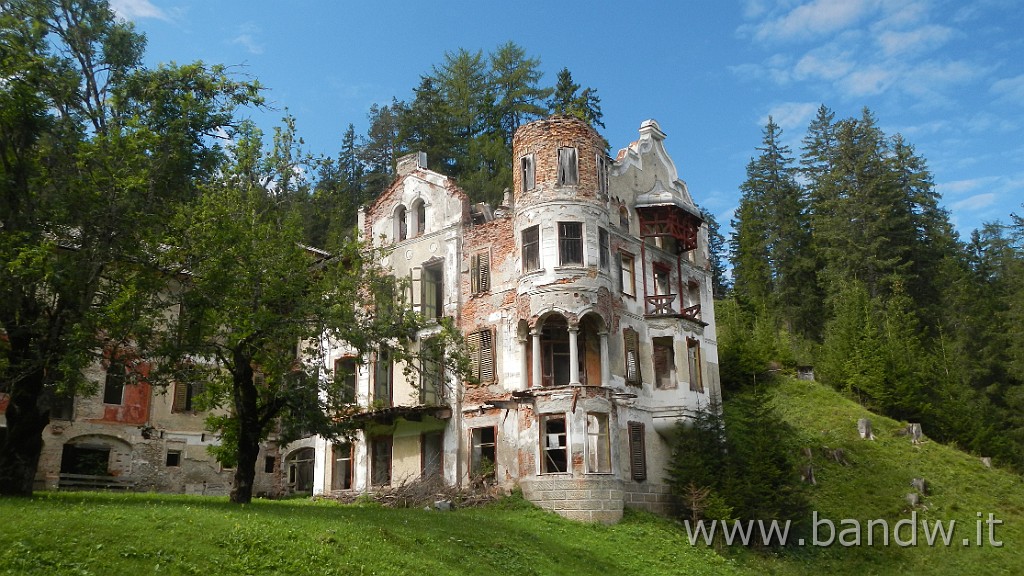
point(140, 534)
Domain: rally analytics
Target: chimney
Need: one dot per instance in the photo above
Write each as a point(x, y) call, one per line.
point(410, 162)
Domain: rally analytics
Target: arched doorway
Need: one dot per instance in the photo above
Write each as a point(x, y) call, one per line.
point(299, 465)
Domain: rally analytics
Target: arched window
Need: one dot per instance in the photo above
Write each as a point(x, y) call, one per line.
point(624, 217)
point(419, 218)
point(401, 229)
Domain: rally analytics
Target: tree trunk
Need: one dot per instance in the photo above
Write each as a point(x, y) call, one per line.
point(247, 412)
point(20, 448)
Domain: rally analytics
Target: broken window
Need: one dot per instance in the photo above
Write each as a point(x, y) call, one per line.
point(432, 292)
point(555, 353)
point(554, 444)
point(380, 461)
point(481, 355)
point(419, 213)
point(602, 175)
point(664, 363)
point(603, 249)
point(113, 385)
point(484, 454)
point(627, 275)
point(269, 464)
point(173, 458)
point(528, 173)
point(631, 345)
point(382, 380)
point(637, 451)
point(695, 364)
point(62, 404)
point(401, 230)
point(662, 280)
point(345, 379)
point(599, 449)
point(341, 474)
point(431, 373)
point(431, 454)
point(568, 174)
point(531, 249)
point(480, 272)
point(570, 243)
point(624, 218)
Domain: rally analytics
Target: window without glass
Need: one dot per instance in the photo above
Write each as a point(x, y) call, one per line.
point(382, 380)
point(627, 275)
point(401, 229)
point(599, 449)
point(531, 249)
point(570, 243)
point(380, 461)
point(664, 362)
point(481, 355)
point(113, 385)
point(624, 218)
point(694, 360)
point(662, 280)
point(345, 376)
point(637, 451)
point(432, 292)
point(480, 272)
point(555, 445)
point(269, 463)
point(568, 174)
point(602, 246)
point(528, 173)
point(341, 474)
point(431, 454)
point(173, 458)
point(484, 453)
point(631, 345)
point(419, 213)
point(602, 174)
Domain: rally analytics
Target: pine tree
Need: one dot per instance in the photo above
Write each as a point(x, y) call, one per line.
point(568, 100)
point(514, 79)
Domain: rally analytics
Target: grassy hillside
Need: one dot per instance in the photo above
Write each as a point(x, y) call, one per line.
point(874, 485)
point(109, 534)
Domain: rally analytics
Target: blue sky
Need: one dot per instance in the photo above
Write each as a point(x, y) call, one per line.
point(947, 75)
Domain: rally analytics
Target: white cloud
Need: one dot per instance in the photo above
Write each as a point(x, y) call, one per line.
point(917, 41)
point(813, 19)
point(870, 80)
point(793, 117)
point(975, 203)
point(247, 38)
point(1010, 89)
point(959, 187)
point(133, 9)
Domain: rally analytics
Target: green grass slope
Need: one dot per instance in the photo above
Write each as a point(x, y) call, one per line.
point(874, 484)
point(135, 534)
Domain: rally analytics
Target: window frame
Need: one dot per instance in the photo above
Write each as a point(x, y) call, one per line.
point(482, 355)
point(531, 249)
point(546, 449)
point(377, 477)
point(636, 433)
point(604, 248)
point(528, 172)
point(694, 364)
point(432, 278)
point(480, 272)
point(623, 257)
point(631, 353)
point(115, 379)
point(663, 357)
point(426, 472)
point(478, 447)
point(431, 372)
point(597, 453)
point(172, 459)
point(346, 390)
point(336, 449)
point(602, 174)
point(383, 365)
point(568, 244)
point(401, 225)
point(567, 172)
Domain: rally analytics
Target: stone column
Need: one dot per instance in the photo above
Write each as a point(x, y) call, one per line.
point(535, 333)
point(606, 369)
point(574, 356)
point(524, 369)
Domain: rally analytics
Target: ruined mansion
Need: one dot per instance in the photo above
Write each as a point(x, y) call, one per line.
point(585, 302)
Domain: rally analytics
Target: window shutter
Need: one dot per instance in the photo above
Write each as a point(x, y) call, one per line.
point(631, 344)
point(486, 356)
point(180, 396)
point(637, 452)
point(197, 389)
point(480, 272)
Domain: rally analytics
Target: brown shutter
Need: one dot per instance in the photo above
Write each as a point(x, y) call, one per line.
point(484, 271)
point(486, 356)
point(637, 452)
point(631, 344)
point(180, 396)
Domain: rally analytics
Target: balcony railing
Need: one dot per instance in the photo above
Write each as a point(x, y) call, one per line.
point(692, 312)
point(661, 305)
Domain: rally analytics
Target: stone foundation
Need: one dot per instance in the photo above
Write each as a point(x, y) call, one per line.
point(590, 499)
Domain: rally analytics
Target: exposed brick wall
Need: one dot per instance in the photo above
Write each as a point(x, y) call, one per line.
point(543, 138)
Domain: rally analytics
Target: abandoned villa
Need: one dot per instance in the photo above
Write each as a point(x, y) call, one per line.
point(584, 299)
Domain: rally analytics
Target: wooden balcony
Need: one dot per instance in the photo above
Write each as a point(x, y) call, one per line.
point(664, 305)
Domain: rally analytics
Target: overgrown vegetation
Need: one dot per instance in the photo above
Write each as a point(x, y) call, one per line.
point(845, 261)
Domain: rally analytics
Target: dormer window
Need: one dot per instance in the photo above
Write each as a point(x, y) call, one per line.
point(568, 171)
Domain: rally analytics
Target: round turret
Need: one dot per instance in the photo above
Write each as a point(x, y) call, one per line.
point(558, 158)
